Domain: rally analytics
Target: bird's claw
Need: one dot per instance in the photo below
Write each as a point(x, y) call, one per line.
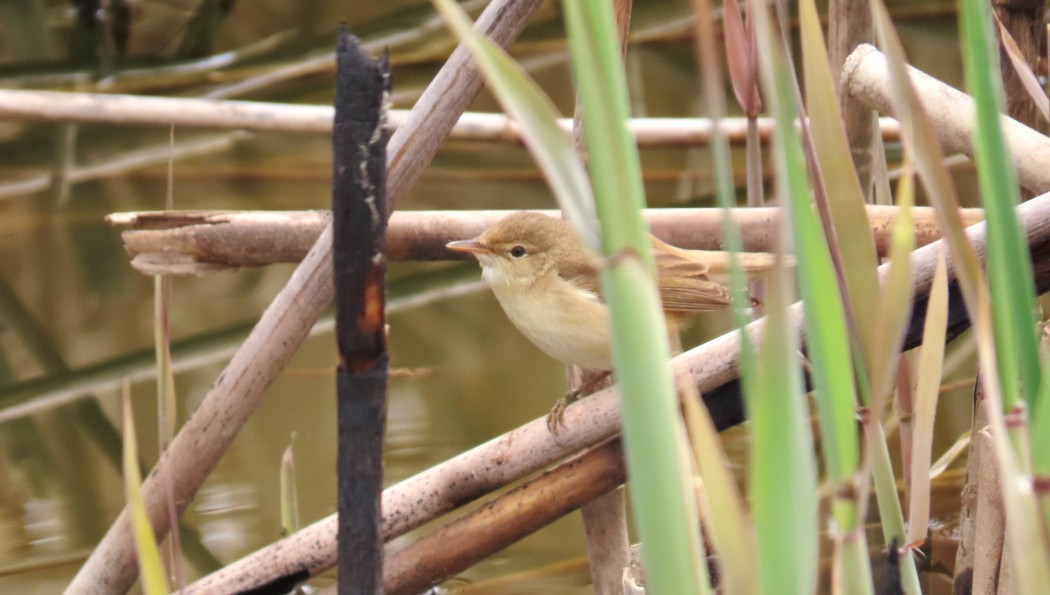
point(557, 413)
point(554, 418)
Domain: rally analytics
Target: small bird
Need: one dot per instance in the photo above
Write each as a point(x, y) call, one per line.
point(548, 283)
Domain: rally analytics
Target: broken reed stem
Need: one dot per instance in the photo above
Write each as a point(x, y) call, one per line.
point(204, 438)
point(199, 242)
point(952, 114)
point(359, 261)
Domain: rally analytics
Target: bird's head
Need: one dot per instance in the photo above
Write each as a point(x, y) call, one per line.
point(521, 247)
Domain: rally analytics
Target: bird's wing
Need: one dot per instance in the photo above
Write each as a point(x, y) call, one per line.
point(690, 294)
point(683, 282)
point(756, 265)
point(581, 272)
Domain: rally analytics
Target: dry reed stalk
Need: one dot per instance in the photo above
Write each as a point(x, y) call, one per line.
point(952, 114)
point(239, 389)
point(634, 574)
point(62, 106)
point(359, 261)
point(608, 545)
point(979, 449)
point(65, 106)
point(1024, 21)
point(131, 160)
point(990, 522)
point(849, 25)
point(980, 560)
point(199, 242)
point(527, 449)
point(488, 528)
point(200, 70)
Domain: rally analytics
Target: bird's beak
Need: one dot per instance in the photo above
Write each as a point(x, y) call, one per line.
point(469, 246)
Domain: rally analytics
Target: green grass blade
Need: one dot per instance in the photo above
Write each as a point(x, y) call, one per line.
point(522, 99)
point(890, 514)
point(919, 137)
point(1028, 552)
point(928, 157)
point(1012, 291)
point(289, 494)
point(783, 474)
point(150, 567)
point(1008, 262)
point(725, 191)
point(616, 172)
point(827, 341)
point(166, 403)
point(853, 233)
point(661, 492)
point(662, 499)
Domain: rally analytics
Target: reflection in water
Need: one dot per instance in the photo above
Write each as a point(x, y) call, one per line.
point(230, 515)
point(409, 434)
point(45, 530)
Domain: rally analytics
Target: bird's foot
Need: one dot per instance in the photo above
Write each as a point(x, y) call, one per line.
point(557, 413)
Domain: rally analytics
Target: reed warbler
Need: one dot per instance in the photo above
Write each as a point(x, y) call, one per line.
point(549, 285)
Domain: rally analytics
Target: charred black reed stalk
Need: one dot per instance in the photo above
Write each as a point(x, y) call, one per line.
point(358, 254)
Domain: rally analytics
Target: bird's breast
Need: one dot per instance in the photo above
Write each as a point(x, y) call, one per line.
point(565, 322)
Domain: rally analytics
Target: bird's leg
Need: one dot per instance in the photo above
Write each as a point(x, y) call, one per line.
point(588, 386)
point(586, 382)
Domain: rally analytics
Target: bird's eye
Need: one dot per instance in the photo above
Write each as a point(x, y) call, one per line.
point(517, 251)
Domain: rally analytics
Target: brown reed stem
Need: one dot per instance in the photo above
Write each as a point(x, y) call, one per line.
point(199, 242)
point(494, 525)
